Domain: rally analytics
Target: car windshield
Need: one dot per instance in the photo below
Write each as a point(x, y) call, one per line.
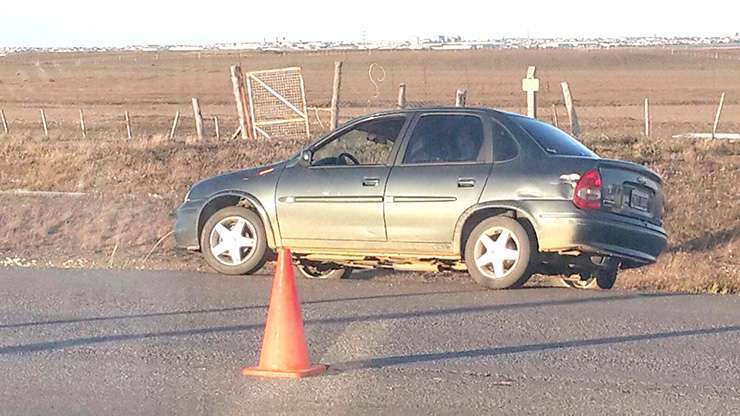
point(552, 139)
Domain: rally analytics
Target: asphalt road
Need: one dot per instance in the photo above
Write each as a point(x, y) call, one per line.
point(110, 342)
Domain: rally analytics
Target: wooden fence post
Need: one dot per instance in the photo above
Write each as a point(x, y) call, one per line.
point(461, 97)
point(43, 123)
point(575, 128)
point(237, 84)
point(215, 127)
point(198, 119)
point(531, 85)
point(716, 117)
point(647, 118)
point(128, 124)
point(247, 104)
point(402, 95)
point(336, 87)
point(4, 121)
point(82, 124)
point(174, 124)
point(555, 116)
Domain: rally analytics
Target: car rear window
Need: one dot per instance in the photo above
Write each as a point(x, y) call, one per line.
point(446, 138)
point(504, 146)
point(552, 139)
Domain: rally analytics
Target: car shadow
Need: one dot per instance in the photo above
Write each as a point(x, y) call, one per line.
point(369, 274)
point(411, 275)
point(381, 362)
point(74, 342)
point(223, 310)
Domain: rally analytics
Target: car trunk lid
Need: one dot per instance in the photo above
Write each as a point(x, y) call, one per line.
point(632, 190)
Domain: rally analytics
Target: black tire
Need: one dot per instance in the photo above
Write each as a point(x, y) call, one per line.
point(322, 271)
point(519, 270)
point(255, 258)
point(606, 278)
point(603, 278)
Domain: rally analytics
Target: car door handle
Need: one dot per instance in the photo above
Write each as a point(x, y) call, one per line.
point(370, 182)
point(465, 182)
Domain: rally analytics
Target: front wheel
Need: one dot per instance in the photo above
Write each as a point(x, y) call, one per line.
point(498, 253)
point(233, 241)
point(310, 270)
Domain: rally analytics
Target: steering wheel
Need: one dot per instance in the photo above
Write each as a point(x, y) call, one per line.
point(346, 156)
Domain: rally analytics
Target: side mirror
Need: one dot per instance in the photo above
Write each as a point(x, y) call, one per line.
point(305, 158)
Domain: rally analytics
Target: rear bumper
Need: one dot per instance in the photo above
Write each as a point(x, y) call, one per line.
point(601, 233)
point(186, 225)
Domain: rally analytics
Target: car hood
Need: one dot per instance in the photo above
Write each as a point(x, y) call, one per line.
point(231, 180)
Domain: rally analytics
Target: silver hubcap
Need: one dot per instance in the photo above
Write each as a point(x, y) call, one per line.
point(233, 240)
point(496, 252)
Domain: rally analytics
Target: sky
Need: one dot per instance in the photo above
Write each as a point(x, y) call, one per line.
point(84, 23)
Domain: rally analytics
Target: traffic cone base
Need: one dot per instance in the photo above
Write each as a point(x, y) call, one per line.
point(313, 370)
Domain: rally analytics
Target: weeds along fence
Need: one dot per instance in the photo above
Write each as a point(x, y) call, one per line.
point(632, 100)
point(70, 123)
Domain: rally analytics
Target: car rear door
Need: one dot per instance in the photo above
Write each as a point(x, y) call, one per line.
point(440, 171)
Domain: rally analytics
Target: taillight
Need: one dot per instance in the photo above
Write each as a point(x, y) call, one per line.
point(587, 194)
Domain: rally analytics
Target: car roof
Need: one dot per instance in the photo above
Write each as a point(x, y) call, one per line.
point(436, 109)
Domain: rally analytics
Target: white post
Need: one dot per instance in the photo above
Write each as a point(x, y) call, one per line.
point(647, 118)
point(215, 126)
point(531, 85)
point(82, 124)
point(128, 124)
point(716, 117)
point(460, 97)
point(174, 125)
point(4, 121)
point(43, 123)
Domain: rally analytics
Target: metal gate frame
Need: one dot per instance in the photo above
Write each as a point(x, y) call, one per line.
point(302, 113)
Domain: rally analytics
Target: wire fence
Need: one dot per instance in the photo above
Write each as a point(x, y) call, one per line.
point(609, 89)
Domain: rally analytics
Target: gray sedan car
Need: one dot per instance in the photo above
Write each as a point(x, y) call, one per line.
point(497, 194)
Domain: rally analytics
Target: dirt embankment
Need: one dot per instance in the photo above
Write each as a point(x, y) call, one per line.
point(132, 188)
point(130, 191)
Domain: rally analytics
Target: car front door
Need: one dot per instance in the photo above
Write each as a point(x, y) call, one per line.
point(441, 171)
point(339, 196)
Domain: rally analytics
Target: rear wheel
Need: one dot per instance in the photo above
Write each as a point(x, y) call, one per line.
point(233, 241)
point(311, 270)
point(498, 253)
point(603, 278)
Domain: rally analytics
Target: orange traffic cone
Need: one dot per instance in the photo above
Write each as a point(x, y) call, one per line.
point(284, 350)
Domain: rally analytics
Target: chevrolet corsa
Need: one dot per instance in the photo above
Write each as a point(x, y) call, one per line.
point(497, 194)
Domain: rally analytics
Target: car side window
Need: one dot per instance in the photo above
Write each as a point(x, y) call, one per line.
point(446, 138)
point(368, 143)
point(504, 146)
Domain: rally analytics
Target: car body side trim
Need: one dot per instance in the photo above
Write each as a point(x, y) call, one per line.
point(423, 199)
point(330, 199)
